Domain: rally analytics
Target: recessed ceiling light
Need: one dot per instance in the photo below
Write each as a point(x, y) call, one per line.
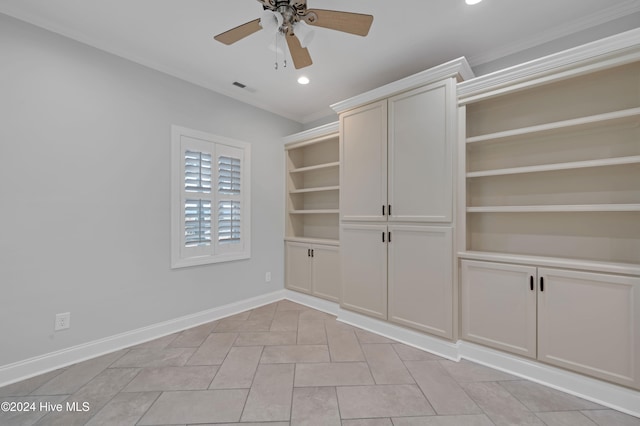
point(303, 80)
point(470, 2)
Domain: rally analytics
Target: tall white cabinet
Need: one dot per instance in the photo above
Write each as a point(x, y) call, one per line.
point(549, 209)
point(397, 147)
point(312, 261)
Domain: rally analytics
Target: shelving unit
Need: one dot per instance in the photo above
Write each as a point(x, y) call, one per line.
point(553, 170)
point(312, 248)
point(313, 185)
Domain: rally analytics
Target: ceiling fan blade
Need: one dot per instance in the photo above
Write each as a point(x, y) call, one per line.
point(239, 32)
point(300, 55)
point(352, 23)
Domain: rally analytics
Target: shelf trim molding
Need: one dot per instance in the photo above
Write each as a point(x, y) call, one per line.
point(312, 135)
point(615, 50)
point(318, 189)
point(458, 68)
point(317, 211)
point(553, 262)
point(557, 208)
point(311, 240)
point(617, 161)
point(565, 124)
point(316, 167)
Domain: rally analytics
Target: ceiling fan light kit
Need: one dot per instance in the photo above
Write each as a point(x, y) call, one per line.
point(289, 17)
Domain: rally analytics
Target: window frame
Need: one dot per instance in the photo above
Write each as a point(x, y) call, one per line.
point(184, 139)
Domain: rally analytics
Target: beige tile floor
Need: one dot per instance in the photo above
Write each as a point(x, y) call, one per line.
point(286, 364)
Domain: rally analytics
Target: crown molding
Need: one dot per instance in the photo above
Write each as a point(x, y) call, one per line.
point(316, 132)
point(605, 53)
point(458, 68)
point(618, 11)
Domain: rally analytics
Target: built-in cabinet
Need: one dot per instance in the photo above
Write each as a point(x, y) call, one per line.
point(397, 157)
point(313, 269)
point(582, 321)
point(549, 210)
point(553, 170)
point(312, 262)
point(396, 210)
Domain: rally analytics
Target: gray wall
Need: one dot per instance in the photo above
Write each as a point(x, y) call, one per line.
point(85, 194)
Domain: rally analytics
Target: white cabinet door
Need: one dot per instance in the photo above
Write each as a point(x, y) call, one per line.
point(421, 132)
point(498, 306)
point(325, 272)
point(363, 260)
point(363, 172)
point(421, 278)
point(590, 323)
point(298, 266)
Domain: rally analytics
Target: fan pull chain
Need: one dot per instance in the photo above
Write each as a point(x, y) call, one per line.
point(276, 49)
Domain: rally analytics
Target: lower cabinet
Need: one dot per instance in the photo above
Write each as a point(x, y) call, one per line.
point(402, 273)
point(582, 321)
point(364, 269)
point(313, 269)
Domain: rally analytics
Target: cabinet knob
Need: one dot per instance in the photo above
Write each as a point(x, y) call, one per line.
point(383, 236)
point(541, 283)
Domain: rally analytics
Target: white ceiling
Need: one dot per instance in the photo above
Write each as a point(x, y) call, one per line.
point(407, 36)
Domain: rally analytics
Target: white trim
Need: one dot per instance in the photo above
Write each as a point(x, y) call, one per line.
point(553, 34)
point(603, 393)
point(457, 68)
point(309, 136)
point(213, 254)
point(28, 368)
point(609, 395)
point(611, 51)
point(594, 390)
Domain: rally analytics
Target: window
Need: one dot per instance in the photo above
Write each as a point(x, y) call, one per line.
point(210, 212)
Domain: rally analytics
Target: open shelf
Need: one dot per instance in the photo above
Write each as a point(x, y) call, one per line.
point(553, 262)
point(327, 211)
point(316, 167)
point(557, 208)
point(313, 186)
point(631, 115)
point(559, 166)
point(319, 189)
point(552, 173)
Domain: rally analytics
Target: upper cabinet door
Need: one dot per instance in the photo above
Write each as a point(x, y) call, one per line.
point(421, 127)
point(363, 173)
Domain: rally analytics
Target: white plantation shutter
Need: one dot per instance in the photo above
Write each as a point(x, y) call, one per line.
point(197, 171)
point(229, 163)
point(197, 223)
point(211, 198)
point(229, 175)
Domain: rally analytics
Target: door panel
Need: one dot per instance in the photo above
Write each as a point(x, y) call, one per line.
point(325, 272)
point(589, 323)
point(420, 155)
point(420, 278)
point(363, 259)
point(298, 266)
point(363, 171)
point(498, 306)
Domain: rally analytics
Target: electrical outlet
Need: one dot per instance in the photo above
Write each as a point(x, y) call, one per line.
point(63, 321)
point(267, 277)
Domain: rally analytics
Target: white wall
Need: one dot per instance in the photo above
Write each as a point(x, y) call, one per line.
point(85, 194)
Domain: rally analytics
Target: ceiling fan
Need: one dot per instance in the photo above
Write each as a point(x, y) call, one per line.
point(289, 14)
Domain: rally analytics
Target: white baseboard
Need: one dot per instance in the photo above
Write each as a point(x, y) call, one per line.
point(603, 393)
point(606, 394)
point(31, 367)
